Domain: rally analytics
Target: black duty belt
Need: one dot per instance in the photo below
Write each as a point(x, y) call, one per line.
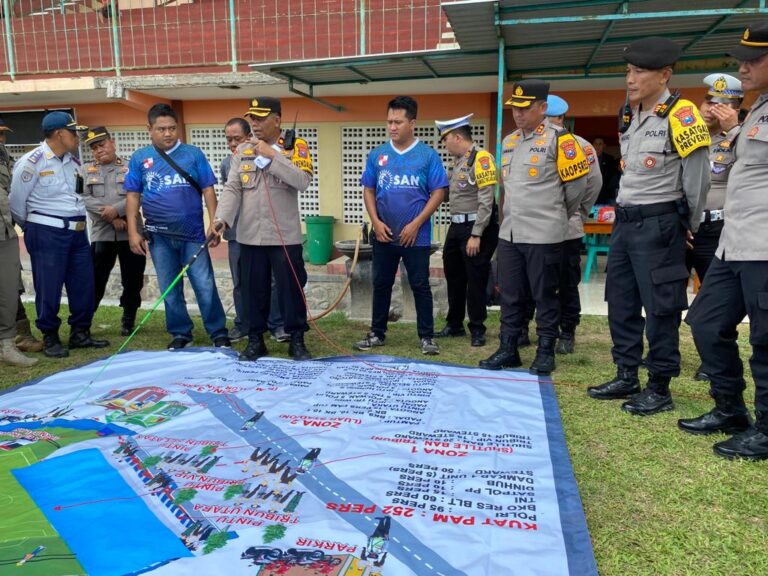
point(637, 213)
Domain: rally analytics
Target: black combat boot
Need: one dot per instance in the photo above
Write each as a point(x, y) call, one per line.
point(566, 342)
point(752, 444)
point(81, 338)
point(729, 415)
point(127, 322)
point(254, 350)
point(52, 346)
point(506, 356)
point(624, 385)
point(544, 362)
point(654, 399)
point(296, 349)
point(701, 375)
point(523, 339)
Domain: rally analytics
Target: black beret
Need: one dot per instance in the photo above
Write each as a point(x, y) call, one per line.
point(754, 43)
point(525, 92)
point(652, 53)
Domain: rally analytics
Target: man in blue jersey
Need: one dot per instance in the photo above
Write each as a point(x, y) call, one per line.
point(168, 178)
point(403, 184)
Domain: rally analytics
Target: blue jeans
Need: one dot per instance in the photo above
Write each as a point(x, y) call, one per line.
point(170, 255)
point(275, 320)
point(386, 259)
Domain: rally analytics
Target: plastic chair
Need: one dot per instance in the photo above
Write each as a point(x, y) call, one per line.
point(595, 244)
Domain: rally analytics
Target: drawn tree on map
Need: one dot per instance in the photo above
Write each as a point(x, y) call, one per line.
point(294, 502)
point(215, 541)
point(232, 491)
point(273, 532)
point(184, 495)
point(150, 461)
point(207, 450)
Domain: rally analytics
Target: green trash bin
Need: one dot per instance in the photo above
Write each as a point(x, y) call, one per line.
point(319, 238)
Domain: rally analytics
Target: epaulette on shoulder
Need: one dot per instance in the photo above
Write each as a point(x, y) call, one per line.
point(37, 153)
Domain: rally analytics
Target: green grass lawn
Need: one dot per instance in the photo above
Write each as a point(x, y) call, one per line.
point(657, 501)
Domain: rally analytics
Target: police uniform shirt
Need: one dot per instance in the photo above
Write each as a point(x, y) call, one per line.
point(594, 185)
point(744, 234)
point(721, 162)
point(654, 171)
point(538, 198)
point(7, 230)
point(44, 183)
point(261, 195)
point(103, 186)
point(472, 186)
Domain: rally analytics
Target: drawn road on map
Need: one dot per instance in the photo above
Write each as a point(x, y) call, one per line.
point(407, 548)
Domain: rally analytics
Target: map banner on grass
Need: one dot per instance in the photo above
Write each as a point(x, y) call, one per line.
point(191, 462)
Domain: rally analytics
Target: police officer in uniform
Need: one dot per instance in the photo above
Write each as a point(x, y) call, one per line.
point(544, 179)
point(570, 267)
point(665, 154)
point(473, 233)
point(720, 111)
point(46, 202)
point(105, 201)
point(737, 280)
point(265, 178)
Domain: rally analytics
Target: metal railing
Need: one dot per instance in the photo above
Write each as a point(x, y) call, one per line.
point(50, 37)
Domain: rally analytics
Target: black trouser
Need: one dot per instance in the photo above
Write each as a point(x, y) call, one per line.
point(570, 276)
point(257, 265)
point(705, 243)
point(529, 271)
point(732, 291)
point(646, 269)
point(131, 272)
point(568, 292)
point(467, 276)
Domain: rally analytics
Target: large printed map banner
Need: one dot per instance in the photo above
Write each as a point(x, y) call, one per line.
point(192, 463)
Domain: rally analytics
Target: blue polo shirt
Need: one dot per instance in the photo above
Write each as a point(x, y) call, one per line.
point(171, 206)
point(403, 181)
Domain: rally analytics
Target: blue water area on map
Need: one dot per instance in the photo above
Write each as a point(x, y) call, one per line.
point(110, 529)
point(73, 424)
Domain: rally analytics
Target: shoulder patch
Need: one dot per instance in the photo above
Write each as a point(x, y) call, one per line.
point(27, 175)
point(485, 169)
point(689, 132)
point(571, 161)
point(301, 157)
point(590, 153)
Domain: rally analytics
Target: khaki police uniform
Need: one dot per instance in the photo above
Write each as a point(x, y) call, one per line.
point(267, 200)
point(103, 186)
point(9, 253)
point(471, 193)
point(737, 280)
point(544, 182)
point(665, 158)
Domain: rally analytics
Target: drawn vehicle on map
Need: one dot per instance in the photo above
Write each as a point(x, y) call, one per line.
point(262, 554)
point(378, 542)
point(248, 424)
point(308, 461)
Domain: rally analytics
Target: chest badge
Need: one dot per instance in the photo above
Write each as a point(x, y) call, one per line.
point(649, 162)
point(533, 172)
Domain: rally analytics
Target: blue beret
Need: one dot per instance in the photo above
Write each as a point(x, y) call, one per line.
point(556, 106)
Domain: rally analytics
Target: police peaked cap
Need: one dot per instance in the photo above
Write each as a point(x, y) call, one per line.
point(264, 106)
point(525, 92)
point(724, 88)
point(96, 134)
point(754, 43)
point(652, 53)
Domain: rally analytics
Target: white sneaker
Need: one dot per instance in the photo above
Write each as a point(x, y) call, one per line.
point(370, 341)
point(428, 346)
